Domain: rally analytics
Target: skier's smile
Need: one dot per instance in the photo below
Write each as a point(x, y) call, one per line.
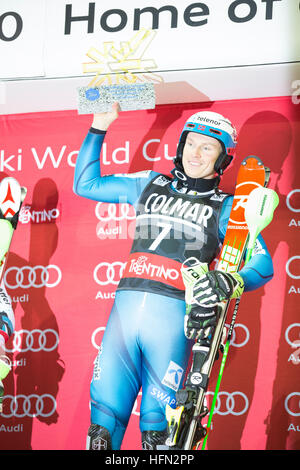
point(199, 155)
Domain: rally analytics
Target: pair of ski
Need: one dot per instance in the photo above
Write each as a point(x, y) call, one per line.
point(252, 210)
point(12, 196)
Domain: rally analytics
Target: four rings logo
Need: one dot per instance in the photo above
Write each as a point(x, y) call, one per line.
point(94, 341)
point(291, 205)
point(288, 334)
point(292, 403)
point(109, 273)
point(236, 403)
point(34, 340)
point(30, 406)
point(290, 269)
point(106, 212)
point(32, 276)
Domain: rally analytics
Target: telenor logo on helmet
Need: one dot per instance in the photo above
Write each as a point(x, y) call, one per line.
point(210, 121)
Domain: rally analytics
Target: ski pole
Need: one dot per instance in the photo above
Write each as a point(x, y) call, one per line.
point(225, 352)
point(259, 211)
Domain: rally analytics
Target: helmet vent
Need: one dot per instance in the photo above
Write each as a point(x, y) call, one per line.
point(215, 131)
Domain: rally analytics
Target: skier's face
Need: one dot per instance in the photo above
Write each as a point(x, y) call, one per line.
point(199, 155)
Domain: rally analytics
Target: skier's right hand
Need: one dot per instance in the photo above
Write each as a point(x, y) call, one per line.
point(198, 319)
point(102, 121)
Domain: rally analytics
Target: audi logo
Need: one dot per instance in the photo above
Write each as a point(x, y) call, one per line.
point(34, 340)
point(287, 403)
point(231, 405)
point(32, 276)
point(93, 338)
point(108, 273)
point(293, 344)
point(111, 211)
point(30, 406)
point(288, 269)
point(288, 203)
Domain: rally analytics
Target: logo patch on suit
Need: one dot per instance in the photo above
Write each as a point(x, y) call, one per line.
point(173, 376)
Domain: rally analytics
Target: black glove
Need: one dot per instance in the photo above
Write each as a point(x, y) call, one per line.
point(197, 319)
point(216, 286)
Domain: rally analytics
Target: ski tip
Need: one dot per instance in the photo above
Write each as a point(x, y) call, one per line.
point(253, 162)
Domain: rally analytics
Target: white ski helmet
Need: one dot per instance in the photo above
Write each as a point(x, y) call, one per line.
point(214, 125)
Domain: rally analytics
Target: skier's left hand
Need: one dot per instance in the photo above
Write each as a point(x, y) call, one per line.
point(216, 286)
point(197, 319)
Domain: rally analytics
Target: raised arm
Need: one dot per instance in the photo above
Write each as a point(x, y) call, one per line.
point(88, 181)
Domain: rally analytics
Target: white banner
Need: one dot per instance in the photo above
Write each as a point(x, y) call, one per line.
point(22, 38)
point(52, 38)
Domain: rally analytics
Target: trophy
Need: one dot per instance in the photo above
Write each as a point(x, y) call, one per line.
point(122, 75)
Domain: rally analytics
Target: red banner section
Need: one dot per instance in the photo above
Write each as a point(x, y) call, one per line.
point(68, 254)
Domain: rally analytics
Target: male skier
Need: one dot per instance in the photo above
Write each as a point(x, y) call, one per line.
point(148, 339)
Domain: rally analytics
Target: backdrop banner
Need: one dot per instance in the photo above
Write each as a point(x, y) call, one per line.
point(60, 33)
point(68, 254)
